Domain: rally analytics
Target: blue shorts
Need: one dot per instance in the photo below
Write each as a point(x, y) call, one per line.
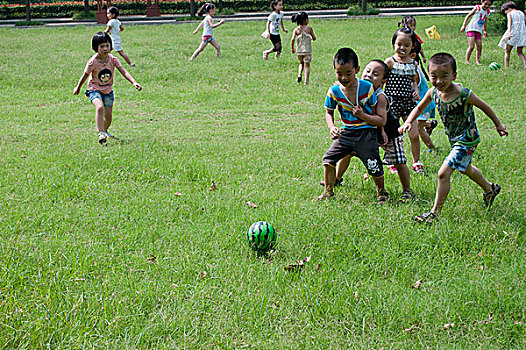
point(107, 99)
point(460, 157)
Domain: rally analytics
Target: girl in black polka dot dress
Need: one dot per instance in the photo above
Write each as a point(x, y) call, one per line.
point(402, 86)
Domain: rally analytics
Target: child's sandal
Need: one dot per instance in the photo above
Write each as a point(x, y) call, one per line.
point(382, 197)
point(427, 218)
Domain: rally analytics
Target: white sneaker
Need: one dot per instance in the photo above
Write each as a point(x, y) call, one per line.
point(102, 137)
point(108, 133)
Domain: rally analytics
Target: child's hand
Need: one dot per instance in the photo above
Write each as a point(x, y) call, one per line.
point(357, 111)
point(462, 28)
point(137, 86)
point(384, 139)
point(416, 95)
point(285, 30)
point(222, 21)
point(501, 129)
point(292, 50)
point(404, 128)
point(76, 90)
point(485, 34)
point(424, 60)
point(268, 36)
point(195, 32)
point(335, 133)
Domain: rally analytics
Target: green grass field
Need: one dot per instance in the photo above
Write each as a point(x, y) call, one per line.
point(98, 249)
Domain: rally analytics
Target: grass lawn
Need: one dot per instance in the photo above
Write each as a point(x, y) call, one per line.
point(123, 246)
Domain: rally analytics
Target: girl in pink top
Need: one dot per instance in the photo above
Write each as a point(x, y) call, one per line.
point(100, 85)
point(476, 28)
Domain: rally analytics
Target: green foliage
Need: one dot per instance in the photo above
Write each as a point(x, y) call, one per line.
point(498, 21)
point(82, 15)
point(98, 251)
point(357, 10)
point(29, 23)
point(226, 11)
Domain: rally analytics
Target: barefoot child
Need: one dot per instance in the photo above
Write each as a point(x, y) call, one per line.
point(515, 36)
point(113, 28)
point(455, 105)
point(275, 20)
point(476, 28)
point(304, 35)
point(208, 29)
point(355, 101)
point(100, 92)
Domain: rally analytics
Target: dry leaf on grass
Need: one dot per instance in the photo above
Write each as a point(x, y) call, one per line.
point(366, 177)
point(23, 156)
point(178, 194)
point(151, 258)
point(202, 274)
point(295, 178)
point(417, 284)
point(356, 296)
point(251, 205)
point(449, 325)
point(298, 266)
point(412, 328)
point(213, 186)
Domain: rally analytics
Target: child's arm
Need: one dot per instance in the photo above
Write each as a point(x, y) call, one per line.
point(485, 33)
point(312, 34)
point(217, 24)
point(198, 27)
point(108, 29)
point(329, 119)
point(293, 39)
point(423, 55)
point(419, 109)
point(484, 107)
point(282, 27)
point(509, 26)
point(414, 84)
point(128, 77)
point(268, 29)
point(81, 82)
point(379, 118)
point(121, 28)
point(467, 18)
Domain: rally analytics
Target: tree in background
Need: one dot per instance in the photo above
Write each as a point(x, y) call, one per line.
point(192, 8)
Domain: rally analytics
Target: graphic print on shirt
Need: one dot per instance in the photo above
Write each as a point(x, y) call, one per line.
point(104, 76)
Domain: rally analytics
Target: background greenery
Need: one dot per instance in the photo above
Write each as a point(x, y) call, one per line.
point(124, 247)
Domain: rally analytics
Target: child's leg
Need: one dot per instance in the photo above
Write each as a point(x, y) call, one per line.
point(199, 49)
point(471, 46)
point(99, 113)
point(379, 183)
point(215, 44)
point(444, 185)
point(107, 117)
point(478, 43)
point(476, 176)
point(415, 141)
point(307, 72)
point(424, 135)
point(403, 175)
point(329, 176)
point(126, 58)
point(521, 56)
point(300, 68)
point(507, 52)
point(342, 166)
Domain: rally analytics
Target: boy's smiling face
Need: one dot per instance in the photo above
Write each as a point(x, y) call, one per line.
point(374, 73)
point(441, 76)
point(346, 73)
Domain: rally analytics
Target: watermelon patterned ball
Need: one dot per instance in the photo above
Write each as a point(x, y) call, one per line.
point(261, 236)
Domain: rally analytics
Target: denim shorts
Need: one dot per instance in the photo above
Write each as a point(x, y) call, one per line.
point(460, 157)
point(107, 99)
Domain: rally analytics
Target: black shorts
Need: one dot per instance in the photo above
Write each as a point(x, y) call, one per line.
point(276, 41)
point(362, 143)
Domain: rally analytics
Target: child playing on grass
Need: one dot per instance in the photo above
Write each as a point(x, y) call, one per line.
point(304, 35)
point(476, 28)
point(208, 29)
point(515, 36)
point(376, 73)
point(455, 105)
point(402, 87)
point(100, 92)
point(114, 27)
point(275, 20)
point(355, 100)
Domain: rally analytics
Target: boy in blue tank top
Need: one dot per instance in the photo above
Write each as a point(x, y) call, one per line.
point(455, 106)
point(355, 100)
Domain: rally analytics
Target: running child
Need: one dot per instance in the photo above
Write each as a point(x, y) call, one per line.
point(100, 92)
point(208, 29)
point(455, 105)
point(114, 27)
point(476, 28)
point(402, 86)
point(275, 20)
point(389, 138)
point(355, 100)
point(304, 35)
point(515, 36)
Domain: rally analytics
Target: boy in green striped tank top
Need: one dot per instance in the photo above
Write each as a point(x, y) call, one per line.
point(455, 106)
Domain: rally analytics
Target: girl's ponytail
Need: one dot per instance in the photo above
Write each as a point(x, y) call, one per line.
point(300, 18)
point(207, 7)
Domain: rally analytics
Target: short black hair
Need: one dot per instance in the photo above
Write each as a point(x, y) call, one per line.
point(404, 30)
point(384, 66)
point(100, 38)
point(114, 11)
point(300, 18)
point(508, 5)
point(443, 58)
point(345, 55)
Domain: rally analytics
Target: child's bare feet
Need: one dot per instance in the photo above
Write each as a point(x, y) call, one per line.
point(327, 193)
